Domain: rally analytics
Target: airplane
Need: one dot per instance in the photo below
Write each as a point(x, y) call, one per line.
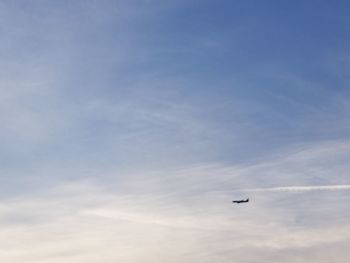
point(241, 201)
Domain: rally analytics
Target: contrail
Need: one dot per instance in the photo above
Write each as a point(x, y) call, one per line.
point(299, 188)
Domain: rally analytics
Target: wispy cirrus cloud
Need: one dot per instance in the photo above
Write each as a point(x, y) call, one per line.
point(129, 126)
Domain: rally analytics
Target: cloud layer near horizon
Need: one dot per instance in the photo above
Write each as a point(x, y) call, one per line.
point(180, 216)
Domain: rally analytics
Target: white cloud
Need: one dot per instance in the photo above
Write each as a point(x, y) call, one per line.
point(179, 216)
point(78, 222)
point(300, 188)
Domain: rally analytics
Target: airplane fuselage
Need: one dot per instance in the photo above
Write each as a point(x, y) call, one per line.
point(241, 201)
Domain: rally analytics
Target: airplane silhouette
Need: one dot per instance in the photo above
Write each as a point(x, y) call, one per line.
point(241, 201)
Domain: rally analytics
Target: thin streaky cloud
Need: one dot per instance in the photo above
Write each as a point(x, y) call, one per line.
point(299, 188)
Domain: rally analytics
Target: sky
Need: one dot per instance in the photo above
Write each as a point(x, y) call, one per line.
point(129, 126)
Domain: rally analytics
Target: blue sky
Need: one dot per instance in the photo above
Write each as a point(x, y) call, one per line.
point(129, 126)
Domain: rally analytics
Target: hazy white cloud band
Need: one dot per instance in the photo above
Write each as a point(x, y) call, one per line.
point(299, 188)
